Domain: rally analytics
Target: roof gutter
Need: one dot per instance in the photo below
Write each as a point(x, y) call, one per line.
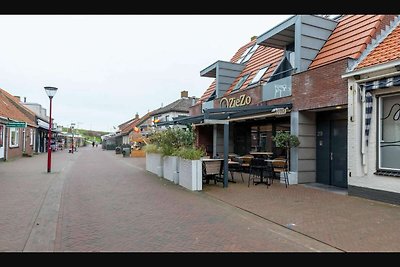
point(374, 68)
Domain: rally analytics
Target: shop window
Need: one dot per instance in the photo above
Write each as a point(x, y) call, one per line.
point(14, 137)
point(1, 135)
point(389, 133)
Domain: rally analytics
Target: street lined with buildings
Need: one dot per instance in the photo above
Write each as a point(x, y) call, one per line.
point(96, 200)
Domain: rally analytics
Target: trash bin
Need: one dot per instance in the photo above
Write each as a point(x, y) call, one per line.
point(118, 150)
point(126, 151)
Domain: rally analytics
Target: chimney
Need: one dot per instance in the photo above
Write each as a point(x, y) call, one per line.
point(193, 100)
point(18, 98)
point(253, 37)
point(136, 116)
point(184, 94)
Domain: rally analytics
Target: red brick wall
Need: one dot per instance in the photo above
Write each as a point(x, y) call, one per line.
point(195, 110)
point(15, 152)
point(320, 87)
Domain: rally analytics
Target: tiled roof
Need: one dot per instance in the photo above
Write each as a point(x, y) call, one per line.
point(11, 108)
point(180, 105)
point(129, 126)
point(350, 37)
point(263, 56)
point(387, 50)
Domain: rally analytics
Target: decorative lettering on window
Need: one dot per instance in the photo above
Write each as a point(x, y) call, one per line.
point(279, 89)
point(396, 112)
point(242, 100)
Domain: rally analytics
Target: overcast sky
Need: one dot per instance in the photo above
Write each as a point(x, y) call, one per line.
point(107, 68)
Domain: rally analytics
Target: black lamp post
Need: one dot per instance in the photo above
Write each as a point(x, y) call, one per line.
point(50, 91)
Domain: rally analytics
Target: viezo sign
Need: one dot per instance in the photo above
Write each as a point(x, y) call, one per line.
point(16, 124)
point(242, 100)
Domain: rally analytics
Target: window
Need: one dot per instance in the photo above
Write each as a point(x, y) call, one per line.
point(247, 54)
point(1, 135)
point(241, 81)
point(251, 52)
point(259, 75)
point(31, 136)
point(14, 137)
point(389, 133)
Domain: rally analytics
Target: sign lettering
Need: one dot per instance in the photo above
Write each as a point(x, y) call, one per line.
point(242, 100)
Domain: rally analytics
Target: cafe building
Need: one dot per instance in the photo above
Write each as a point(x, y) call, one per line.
point(287, 79)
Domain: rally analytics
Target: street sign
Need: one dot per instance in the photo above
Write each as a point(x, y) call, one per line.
point(15, 124)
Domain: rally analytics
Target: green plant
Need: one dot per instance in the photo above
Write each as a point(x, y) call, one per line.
point(191, 153)
point(172, 139)
point(151, 148)
point(286, 141)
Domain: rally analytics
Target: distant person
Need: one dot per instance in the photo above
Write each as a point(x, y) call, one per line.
point(97, 144)
point(93, 144)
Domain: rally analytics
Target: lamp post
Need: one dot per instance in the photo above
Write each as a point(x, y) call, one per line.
point(72, 132)
point(50, 91)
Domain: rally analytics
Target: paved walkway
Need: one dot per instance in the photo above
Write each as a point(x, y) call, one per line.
point(95, 200)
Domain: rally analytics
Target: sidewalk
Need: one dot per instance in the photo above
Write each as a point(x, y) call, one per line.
point(345, 222)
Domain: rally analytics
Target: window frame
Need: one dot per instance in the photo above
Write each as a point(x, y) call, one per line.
point(242, 80)
point(31, 135)
point(254, 82)
point(16, 130)
point(379, 135)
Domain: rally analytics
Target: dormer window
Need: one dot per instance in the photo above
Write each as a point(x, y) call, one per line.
point(259, 75)
point(247, 54)
point(241, 82)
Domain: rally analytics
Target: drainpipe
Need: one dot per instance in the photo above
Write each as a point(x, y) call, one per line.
point(363, 148)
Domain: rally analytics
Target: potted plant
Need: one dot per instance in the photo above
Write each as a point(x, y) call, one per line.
point(285, 140)
point(190, 167)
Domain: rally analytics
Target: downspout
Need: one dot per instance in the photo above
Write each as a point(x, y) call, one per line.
point(363, 148)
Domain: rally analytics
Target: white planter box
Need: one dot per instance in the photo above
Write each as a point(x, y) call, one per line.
point(154, 163)
point(292, 178)
point(190, 174)
point(170, 168)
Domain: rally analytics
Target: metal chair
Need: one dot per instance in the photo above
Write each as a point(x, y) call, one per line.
point(259, 167)
point(236, 167)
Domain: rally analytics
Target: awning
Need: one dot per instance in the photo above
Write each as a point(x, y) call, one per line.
point(372, 85)
point(235, 114)
point(382, 83)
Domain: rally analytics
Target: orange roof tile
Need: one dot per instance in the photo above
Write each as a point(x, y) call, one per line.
point(10, 108)
point(387, 50)
point(349, 38)
point(263, 56)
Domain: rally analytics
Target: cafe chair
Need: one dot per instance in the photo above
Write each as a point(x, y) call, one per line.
point(212, 171)
point(281, 166)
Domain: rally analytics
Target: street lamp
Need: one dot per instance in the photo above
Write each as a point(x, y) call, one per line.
point(72, 132)
point(50, 91)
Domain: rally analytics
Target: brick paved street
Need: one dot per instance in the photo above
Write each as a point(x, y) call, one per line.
point(95, 200)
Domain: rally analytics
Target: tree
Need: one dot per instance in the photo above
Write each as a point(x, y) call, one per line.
point(286, 141)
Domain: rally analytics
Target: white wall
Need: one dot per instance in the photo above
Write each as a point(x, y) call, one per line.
point(362, 175)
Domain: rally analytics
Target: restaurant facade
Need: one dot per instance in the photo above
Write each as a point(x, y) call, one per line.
point(292, 81)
